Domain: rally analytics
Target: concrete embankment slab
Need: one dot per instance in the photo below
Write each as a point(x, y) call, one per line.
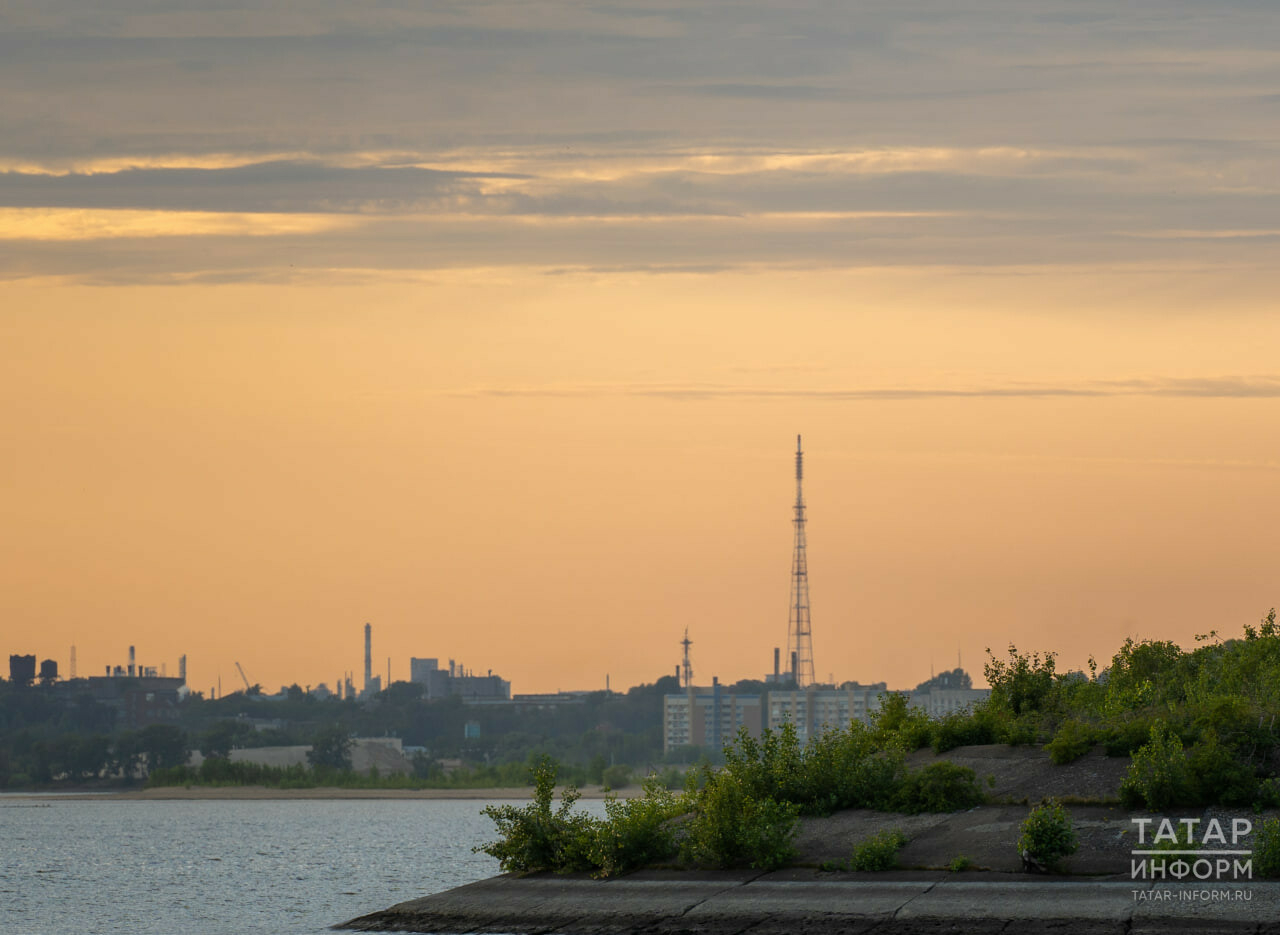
point(1081, 901)
point(765, 904)
point(546, 902)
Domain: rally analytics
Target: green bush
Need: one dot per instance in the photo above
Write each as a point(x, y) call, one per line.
point(535, 837)
point(897, 723)
point(1158, 776)
point(1231, 720)
point(837, 769)
point(1073, 740)
point(1145, 674)
point(844, 769)
point(959, 863)
point(730, 827)
point(1126, 737)
point(1047, 837)
point(1022, 684)
point(879, 852)
point(637, 832)
point(962, 729)
point(1021, 730)
point(1216, 775)
point(173, 776)
point(1266, 848)
point(770, 767)
point(939, 787)
point(1267, 794)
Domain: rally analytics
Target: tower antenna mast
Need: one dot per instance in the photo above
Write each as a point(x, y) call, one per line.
point(686, 674)
point(799, 634)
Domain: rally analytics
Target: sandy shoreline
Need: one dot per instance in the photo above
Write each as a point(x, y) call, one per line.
point(172, 793)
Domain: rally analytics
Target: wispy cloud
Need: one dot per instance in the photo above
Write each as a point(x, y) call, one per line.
point(272, 186)
point(1260, 387)
point(69, 224)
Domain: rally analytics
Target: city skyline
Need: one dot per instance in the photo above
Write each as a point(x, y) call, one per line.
point(492, 325)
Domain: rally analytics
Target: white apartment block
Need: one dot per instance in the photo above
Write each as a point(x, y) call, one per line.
point(708, 717)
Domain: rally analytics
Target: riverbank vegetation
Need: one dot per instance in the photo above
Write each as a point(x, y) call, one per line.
point(1199, 727)
point(743, 814)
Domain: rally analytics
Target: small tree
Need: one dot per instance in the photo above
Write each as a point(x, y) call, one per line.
point(1022, 684)
point(1143, 674)
point(330, 748)
point(731, 827)
point(1157, 776)
point(80, 757)
point(126, 754)
point(896, 722)
point(220, 739)
point(535, 837)
point(163, 745)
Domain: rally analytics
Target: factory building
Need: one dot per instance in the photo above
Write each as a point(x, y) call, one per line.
point(457, 681)
point(140, 695)
point(420, 669)
point(140, 700)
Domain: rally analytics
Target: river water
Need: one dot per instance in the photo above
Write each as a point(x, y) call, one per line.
point(275, 867)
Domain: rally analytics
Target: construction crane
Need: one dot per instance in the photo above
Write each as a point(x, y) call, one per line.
point(247, 687)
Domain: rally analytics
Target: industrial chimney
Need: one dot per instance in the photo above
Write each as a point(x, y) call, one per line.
point(131, 658)
point(368, 655)
point(182, 668)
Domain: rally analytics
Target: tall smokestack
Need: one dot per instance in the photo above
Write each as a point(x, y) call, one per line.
point(368, 655)
point(777, 653)
point(795, 668)
point(182, 668)
point(131, 658)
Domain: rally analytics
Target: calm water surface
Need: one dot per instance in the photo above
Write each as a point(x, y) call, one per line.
point(228, 867)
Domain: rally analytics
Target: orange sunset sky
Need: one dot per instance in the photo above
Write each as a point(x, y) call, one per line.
point(493, 324)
